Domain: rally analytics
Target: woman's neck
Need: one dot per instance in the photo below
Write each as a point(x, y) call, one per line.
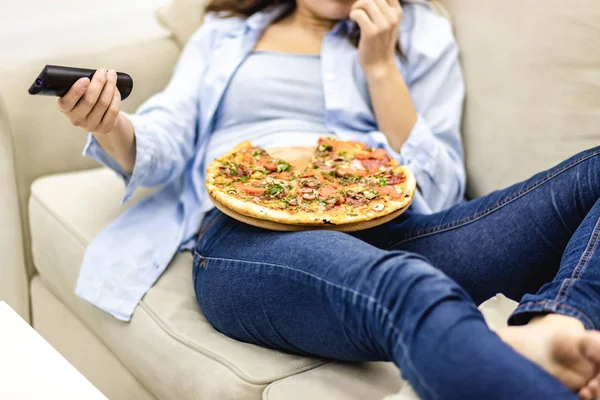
point(303, 18)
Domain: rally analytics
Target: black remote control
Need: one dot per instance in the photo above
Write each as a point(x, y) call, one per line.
point(55, 80)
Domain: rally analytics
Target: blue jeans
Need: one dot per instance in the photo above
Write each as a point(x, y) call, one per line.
point(407, 291)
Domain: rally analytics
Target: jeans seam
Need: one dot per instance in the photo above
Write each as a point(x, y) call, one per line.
point(543, 303)
point(500, 204)
point(207, 227)
point(581, 264)
point(371, 299)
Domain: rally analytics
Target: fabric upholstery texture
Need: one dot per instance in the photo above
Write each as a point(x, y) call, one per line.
point(13, 285)
point(533, 98)
point(182, 18)
point(51, 318)
point(533, 85)
point(341, 381)
point(43, 141)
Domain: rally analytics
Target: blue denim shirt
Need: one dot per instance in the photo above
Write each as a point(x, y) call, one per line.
point(173, 127)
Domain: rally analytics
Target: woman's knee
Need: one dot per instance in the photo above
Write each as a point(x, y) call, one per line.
point(407, 282)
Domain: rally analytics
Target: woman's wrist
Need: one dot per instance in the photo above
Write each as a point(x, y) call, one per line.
point(394, 110)
point(120, 143)
point(380, 71)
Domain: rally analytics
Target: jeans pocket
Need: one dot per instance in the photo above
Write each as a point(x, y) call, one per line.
point(209, 219)
point(195, 263)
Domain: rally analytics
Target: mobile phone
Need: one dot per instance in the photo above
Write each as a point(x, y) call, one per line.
point(55, 80)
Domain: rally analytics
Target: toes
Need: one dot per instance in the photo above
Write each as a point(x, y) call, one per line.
point(586, 394)
point(590, 346)
point(594, 387)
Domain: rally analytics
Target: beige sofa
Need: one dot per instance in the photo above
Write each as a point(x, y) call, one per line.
point(533, 75)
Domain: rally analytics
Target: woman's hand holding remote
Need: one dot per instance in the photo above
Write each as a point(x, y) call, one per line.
point(95, 106)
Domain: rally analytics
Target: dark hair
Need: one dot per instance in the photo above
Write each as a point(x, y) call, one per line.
point(245, 8)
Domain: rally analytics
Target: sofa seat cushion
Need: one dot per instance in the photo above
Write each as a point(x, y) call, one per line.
point(169, 346)
point(344, 381)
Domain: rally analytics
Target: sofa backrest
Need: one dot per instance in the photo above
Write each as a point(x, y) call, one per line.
point(533, 81)
point(533, 85)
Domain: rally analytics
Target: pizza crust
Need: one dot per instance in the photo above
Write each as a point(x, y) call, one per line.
point(302, 218)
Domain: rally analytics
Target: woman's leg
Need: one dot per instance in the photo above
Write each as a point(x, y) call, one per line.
point(329, 294)
point(541, 236)
point(515, 240)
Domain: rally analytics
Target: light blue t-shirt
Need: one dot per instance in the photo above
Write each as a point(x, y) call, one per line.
point(173, 130)
point(288, 111)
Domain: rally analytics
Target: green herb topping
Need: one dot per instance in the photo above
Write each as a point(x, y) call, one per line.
point(275, 190)
point(382, 181)
point(282, 166)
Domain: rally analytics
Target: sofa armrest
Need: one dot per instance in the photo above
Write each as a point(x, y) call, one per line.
point(37, 140)
point(13, 281)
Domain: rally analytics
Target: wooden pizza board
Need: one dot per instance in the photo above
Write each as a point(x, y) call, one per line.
point(299, 157)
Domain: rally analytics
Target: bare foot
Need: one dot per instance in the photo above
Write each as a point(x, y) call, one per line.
point(560, 345)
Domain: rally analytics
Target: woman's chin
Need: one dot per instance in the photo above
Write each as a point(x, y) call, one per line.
point(332, 10)
point(337, 15)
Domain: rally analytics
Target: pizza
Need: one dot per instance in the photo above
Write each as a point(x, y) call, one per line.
point(345, 182)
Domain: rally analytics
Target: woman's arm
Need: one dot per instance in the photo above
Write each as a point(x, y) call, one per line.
point(394, 109)
point(152, 146)
point(418, 118)
point(119, 143)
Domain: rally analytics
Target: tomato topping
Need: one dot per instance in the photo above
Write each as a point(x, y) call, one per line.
point(286, 176)
point(376, 154)
point(249, 190)
point(312, 172)
point(248, 159)
point(379, 154)
point(389, 191)
point(356, 172)
point(271, 166)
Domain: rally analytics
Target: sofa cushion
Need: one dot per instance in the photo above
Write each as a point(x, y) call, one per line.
point(182, 18)
point(532, 70)
point(342, 381)
point(169, 346)
point(339, 381)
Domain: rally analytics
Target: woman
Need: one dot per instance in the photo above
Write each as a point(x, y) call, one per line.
point(285, 72)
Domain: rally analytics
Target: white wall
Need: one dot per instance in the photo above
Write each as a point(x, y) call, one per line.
point(37, 29)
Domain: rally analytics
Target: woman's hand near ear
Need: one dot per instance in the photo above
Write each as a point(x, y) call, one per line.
point(395, 112)
point(379, 21)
